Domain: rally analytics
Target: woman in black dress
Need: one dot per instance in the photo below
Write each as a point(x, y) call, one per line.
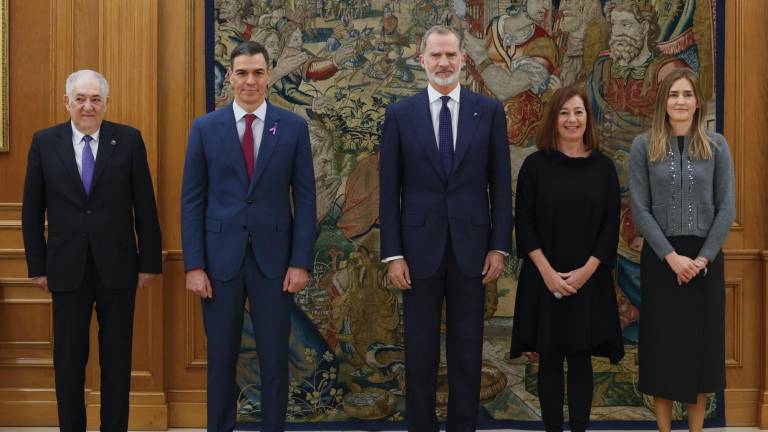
point(567, 225)
point(682, 192)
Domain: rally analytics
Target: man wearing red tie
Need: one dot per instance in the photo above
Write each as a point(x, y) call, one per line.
point(248, 231)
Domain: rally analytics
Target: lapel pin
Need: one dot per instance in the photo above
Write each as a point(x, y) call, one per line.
point(273, 129)
point(113, 142)
point(474, 114)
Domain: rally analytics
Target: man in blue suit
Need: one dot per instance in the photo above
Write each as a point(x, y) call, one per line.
point(248, 230)
point(446, 225)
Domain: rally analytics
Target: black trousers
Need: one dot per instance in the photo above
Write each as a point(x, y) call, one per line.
point(465, 301)
point(71, 322)
point(551, 389)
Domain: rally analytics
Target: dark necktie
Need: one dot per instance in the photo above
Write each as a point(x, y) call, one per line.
point(445, 132)
point(247, 144)
point(87, 164)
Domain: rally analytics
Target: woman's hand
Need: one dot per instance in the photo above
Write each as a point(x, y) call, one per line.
point(701, 262)
point(684, 267)
point(577, 278)
point(556, 284)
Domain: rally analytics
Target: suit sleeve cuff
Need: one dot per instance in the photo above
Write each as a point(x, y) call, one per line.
point(392, 258)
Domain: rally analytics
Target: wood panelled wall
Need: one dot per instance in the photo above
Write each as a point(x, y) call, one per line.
point(152, 52)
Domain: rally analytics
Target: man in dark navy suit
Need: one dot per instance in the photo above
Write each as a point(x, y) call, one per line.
point(91, 178)
point(446, 225)
point(248, 230)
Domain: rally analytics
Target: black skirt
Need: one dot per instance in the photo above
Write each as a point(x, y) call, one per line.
point(682, 327)
point(583, 322)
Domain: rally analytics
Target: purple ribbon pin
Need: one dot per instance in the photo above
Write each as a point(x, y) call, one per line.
point(273, 129)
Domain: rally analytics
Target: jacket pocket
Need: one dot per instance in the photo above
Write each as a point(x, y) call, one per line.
point(411, 219)
point(213, 225)
point(705, 216)
point(660, 214)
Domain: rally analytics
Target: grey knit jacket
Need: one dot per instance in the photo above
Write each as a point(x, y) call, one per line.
point(697, 201)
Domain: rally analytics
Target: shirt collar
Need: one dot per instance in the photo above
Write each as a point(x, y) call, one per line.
point(434, 95)
point(77, 136)
point(261, 111)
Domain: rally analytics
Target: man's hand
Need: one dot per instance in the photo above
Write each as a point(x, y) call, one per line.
point(145, 279)
point(493, 267)
point(296, 279)
point(398, 274)
point(42, 283)
point(198, 283)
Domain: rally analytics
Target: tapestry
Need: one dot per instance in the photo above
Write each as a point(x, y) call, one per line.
point(338, 64)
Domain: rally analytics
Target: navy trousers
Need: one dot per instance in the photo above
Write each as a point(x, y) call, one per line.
point(465, 302)
point(223, 317)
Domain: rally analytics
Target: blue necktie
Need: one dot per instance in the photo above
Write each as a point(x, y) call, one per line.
point(87, 164)
point(445, 132)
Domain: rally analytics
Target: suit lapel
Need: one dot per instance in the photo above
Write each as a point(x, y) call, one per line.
point(230, 142)
point(66, 153)
point(469, 118)
point(107, 146)
point(269, 139)
point(421, 125)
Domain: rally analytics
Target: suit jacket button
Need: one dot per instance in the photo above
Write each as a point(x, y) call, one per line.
point(245, 228)
point(88, 212)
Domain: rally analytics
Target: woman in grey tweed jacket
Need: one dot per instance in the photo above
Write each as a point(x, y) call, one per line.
point(682, 192)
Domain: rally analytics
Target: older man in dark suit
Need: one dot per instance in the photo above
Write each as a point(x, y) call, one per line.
point(446, 224)
point(91, 178)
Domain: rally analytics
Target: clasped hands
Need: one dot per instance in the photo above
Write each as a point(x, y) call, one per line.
point(295, 280)
point(686, 268)
point(569, 283)
point(399, 275)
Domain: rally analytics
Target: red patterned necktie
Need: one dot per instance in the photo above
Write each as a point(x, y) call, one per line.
point(247, 144)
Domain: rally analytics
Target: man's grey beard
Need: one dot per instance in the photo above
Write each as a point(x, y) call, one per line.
point(626, 52)
point(443, 82)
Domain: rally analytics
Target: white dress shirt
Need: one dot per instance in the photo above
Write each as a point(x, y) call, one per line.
point(79, 144)
point(436, 104)
point(257, 125)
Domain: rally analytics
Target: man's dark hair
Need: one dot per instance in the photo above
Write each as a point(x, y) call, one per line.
point(248, 48)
